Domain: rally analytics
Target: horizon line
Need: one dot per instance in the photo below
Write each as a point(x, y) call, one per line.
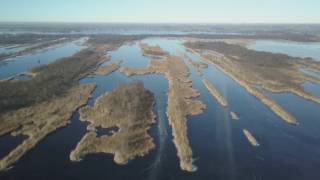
point(199, 23)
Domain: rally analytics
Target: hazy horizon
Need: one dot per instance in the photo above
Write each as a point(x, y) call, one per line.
point(165, 12)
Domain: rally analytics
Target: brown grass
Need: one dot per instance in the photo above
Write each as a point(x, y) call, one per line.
point(152, 51)
point(250, 138)
point(39, 120)
point(130, 108)
point(38, 107)
point(104, 71)
point(180, 103)
point(274, 72)
point(215, 93)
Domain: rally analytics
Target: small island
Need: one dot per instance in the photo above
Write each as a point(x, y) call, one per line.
point(250, 138)
point(130, 109)
point(152, 51)
point(234, 116)
point(215, 93)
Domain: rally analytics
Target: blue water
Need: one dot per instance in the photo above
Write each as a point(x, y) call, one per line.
point(294, 49)
point(312, 88)
point(24, 63)
point(131, 56)
point(220, 149)
point(8, 143)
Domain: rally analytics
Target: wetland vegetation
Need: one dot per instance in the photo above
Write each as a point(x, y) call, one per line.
point(273, 72)
point(118, 114)
point(130, 109)
point(45, 103)
point(180, 101)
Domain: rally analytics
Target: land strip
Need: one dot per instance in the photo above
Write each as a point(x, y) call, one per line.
point(250, 138)
point(215, 93)
point(106, 70)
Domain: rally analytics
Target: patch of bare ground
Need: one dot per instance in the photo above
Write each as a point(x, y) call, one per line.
point(250, 138)
point(180, 102)
point(215, 93)
point(277, 73)
point(130, 108)
point(106, 70)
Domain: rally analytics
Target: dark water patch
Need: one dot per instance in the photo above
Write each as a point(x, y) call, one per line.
point(106, 131)
point(8, 143)
point(50, 158)
point(233, 156)
point(314, 89)
point(304, 148)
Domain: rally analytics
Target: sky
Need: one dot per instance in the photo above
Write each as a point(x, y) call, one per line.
point(161, 11)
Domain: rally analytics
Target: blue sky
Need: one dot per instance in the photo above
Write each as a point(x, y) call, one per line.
point(162, 11)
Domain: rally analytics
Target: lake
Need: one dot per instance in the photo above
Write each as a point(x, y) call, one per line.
point(295, 49)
